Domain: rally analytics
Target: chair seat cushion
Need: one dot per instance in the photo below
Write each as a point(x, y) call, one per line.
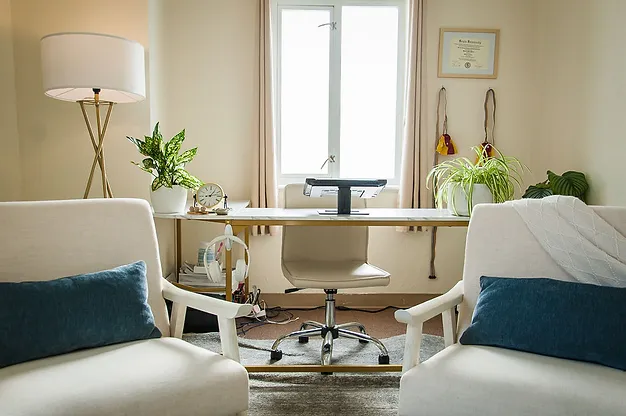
point(164, 376)
point(334, 274)
point(489, 381)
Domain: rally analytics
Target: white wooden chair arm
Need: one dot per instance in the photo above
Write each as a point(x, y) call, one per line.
point(226, 313)
point(416, 316)
point(221, 308)
point(431, 308)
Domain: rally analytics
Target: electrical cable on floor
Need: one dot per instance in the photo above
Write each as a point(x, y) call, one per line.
point(270, 314)
point(274, 312)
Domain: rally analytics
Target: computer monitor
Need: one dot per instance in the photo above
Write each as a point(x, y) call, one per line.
point(344, 189)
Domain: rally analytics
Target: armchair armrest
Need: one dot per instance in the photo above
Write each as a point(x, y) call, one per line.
point(226, 313)
point(416, 316)
point(429, 309)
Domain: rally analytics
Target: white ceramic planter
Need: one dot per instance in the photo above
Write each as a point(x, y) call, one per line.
point(169, 200)
point(457, 199)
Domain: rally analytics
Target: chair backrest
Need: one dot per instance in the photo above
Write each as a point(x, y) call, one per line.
point(500, 244)
point(321, 243)
point(51, 239)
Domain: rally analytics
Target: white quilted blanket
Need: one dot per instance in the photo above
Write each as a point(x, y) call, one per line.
point(583, 244)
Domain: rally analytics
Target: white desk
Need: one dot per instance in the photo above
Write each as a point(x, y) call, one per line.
point(242, 218)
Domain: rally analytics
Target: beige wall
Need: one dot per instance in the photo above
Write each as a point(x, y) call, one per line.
point(56, 152)
point(10, 175)
point(203, 79)
point(583, 90)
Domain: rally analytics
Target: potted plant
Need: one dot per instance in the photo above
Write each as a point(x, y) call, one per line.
point(462, 184)
point(163, 161)
point(570, 183)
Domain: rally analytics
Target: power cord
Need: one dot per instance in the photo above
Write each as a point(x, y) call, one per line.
point(263, 315)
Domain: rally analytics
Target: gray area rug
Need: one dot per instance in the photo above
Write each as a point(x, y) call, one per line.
point(366, 394)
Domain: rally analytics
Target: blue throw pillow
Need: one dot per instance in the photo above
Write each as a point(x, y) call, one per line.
point(41, 319)
point(569, 320)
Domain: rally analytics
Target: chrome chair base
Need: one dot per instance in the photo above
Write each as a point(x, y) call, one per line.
point(329, 332)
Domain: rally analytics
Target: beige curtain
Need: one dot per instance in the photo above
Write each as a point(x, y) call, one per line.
point(411, 177)
point(265, 188)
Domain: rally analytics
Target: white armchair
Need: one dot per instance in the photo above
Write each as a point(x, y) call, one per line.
point(162, 376)
point(488, 381)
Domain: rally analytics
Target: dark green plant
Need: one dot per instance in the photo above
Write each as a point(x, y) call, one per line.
point(163, 161)
point(570, 183)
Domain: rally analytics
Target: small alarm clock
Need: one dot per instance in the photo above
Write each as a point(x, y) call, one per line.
point(210, 195)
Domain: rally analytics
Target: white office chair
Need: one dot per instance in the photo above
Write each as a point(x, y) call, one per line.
point(328, 258)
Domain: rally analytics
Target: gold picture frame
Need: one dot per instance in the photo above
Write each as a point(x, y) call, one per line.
point(468, 53)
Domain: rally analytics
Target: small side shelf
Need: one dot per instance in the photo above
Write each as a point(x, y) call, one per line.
point(220, 289)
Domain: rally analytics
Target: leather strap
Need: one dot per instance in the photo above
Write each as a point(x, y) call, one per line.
point(490, 94)
point(442, 98)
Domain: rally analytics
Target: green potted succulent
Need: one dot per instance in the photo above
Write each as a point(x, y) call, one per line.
point(570, 183)
point(462, 183)
point(166, 164)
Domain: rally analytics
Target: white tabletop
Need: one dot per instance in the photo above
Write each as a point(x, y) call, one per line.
point(241, 212)
point(373, 214)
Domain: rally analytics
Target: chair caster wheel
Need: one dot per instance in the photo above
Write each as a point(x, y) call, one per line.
point(383, 359)
point(303, 340)
point(276, 355)
point(363, 341)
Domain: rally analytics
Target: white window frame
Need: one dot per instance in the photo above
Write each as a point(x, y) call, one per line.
point(334, 106)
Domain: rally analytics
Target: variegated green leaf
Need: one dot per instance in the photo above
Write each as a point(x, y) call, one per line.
point(173, 147)
point(157, 183)
point(186, 156)
point(141, 145)
point(185, 179)
point(148, 163)
point(163, 159)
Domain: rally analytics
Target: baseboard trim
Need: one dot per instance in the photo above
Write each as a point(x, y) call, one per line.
point(353, 300)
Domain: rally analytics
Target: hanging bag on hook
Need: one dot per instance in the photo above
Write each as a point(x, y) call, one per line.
point(487, 146)
point(445, 145)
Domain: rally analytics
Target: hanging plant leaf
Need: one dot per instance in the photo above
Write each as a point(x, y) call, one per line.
point(571, 183)
point(541, 190)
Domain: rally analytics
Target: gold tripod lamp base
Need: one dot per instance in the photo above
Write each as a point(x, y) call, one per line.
point(98, 143)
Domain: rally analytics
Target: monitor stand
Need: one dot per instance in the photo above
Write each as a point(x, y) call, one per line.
point(344, 204)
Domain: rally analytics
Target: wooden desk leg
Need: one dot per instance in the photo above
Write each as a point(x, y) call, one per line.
point(179, 248)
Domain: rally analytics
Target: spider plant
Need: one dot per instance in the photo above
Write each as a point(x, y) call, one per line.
point(499, 173)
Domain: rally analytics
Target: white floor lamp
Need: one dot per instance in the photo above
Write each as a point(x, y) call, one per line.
point(97, 70)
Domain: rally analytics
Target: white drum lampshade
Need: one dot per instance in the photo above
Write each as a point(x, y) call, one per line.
point(73, 64)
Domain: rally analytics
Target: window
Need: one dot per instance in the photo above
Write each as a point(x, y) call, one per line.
point(339, 88)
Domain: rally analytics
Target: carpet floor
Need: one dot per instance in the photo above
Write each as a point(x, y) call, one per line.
point(364, 394)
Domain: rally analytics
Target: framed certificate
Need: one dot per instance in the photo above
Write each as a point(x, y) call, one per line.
point(468, 53)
